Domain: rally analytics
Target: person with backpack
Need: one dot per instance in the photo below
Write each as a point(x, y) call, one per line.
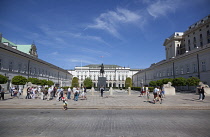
point(76, 94)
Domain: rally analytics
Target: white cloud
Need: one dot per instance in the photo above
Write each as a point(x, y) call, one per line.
point(81, 61)
point(54, 53)
point(162, 7)
point(60, 36)
point(98, 52)
point(110, 20)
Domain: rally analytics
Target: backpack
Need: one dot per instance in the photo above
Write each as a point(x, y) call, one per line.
point(76, 93)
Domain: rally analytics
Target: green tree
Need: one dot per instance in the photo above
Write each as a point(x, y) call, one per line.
point(75, 82)
point(193, 81)
point(128, 82)
point(19, 80)
point(159, 82)
point(88, 83)
point(33, 80)
point(166, 80)
point(3, 79)
point(179, 81)
point(50, 83)
point(153, 83)
point(42, 82)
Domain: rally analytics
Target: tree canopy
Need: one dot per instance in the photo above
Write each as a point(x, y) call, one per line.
point(193, 81)
point(19, 80)
point(153, 83)
point(75, 82)
point(33, 80)
point(3, 79)
point(88, 82)
point(128, 82)
point(179, 81)
point(50, 83)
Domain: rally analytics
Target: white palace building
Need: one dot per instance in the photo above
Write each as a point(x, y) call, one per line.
point(23, 60)
point(187, 55)
point(115, 75)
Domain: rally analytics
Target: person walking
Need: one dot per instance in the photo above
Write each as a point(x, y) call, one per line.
point(202, 96)
point(102, 91)
point(49, 93)
point(1, 93)
point(76, 94)
point(85, 89)
point(73, 91)
point(155, 93)
point(28, 96)
point(54, 91)
point(69, 93)
point(19, 92)
point(58, 94)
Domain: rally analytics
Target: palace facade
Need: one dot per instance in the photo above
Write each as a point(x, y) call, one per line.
point(115, 75)
point(23, 60)
point(187, 55)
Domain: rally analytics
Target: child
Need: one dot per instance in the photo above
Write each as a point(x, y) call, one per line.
point(65, 103)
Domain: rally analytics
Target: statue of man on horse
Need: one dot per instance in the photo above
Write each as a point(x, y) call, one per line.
point(102, 69)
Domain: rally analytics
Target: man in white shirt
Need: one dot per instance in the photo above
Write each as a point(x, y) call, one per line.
point(69, 93)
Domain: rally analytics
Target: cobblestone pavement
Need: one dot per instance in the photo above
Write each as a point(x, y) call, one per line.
point(120, 100)
point(104, 123)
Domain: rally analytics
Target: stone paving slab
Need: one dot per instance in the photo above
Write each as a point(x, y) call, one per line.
point(120, 100)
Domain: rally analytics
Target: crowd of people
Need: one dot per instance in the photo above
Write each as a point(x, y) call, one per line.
point(158, 93)
point(39, 92)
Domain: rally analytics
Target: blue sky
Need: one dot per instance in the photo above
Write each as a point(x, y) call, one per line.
point(71, 33)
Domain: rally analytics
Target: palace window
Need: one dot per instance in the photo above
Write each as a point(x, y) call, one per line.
point(42, 72)
point(194, 68)
point(172, 72)
point(30, 70)
point(19, 67)
point(168, 73)
point(10, 66)
point(24, 69)
point(34, 71)
point(203, 66)
point(194, 42)
point(188, 68)
point(176, 70)
point(181, 70)
point(208, 36)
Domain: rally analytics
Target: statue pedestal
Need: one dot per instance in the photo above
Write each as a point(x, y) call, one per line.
point(102, 82)
point(170, 91)
point(24, 91)
point(207, 90)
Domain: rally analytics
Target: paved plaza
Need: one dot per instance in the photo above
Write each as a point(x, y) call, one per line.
point(104, 123)
point(119, 115)
point(119, 100)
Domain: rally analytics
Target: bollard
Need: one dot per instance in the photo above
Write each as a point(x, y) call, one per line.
point(129, 90)
point(92, 90)
point(111, 91)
